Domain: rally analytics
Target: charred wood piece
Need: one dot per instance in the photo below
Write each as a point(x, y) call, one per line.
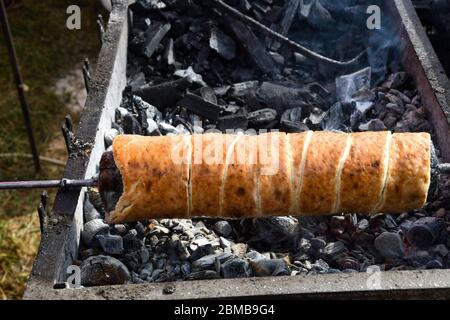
point(201, 106)
point(232, 122)
point(154, 35)
point(165, 94)
point(289, 11)
point(253, 47)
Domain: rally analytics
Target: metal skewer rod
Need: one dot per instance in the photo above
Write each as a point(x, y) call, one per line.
point(44, 184)
point(444, 168)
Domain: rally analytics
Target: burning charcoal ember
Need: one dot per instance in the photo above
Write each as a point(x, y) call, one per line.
point(222, 44)
point(223, 228)
point(260, 117)
point(236, 268)
point(269, 267)
point(92, 229)
point(131, 242)
point(165, 94)
point(209, 261)
point(231, 122)
point(154, 35)
point(111, 244)
point(89, 212)
point(200, 106)
point(390, 245)
point(255, 50)
point(103, 270)
point(425, 231)
point(348, 85)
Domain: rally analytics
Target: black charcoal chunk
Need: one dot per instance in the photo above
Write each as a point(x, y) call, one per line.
point(293, 127)
point(255, 50)
point(223, 228)
point(92, 229)
point(390, 245)
point(200, 106)
point(425, 231)
point(235, 268)
point(269, 267)
point(232, 122)
point(111, 244)
point(208, 262)
point(131, 242)
point(131, 125)
point(103, 270)
point(222, 44)
point(262, 116)
point(154, 35)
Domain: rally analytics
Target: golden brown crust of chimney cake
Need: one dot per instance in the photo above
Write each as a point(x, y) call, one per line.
point(209, 154)
point(240, 183)
point(409, 172)
point(318, 173)
point(318, 193)
point(364, 170)
point(155, 178)
point(275, 181)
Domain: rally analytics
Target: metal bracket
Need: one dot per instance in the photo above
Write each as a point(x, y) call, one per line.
point(87, 75)
point(42, 211)
point(101, 28)
point(69, 137)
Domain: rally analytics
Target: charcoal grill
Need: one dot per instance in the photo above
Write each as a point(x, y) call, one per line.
point(61, 232)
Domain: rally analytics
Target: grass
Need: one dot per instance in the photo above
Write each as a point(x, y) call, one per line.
point(46, 50)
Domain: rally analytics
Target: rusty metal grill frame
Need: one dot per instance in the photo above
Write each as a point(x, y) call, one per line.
point(60, 239)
